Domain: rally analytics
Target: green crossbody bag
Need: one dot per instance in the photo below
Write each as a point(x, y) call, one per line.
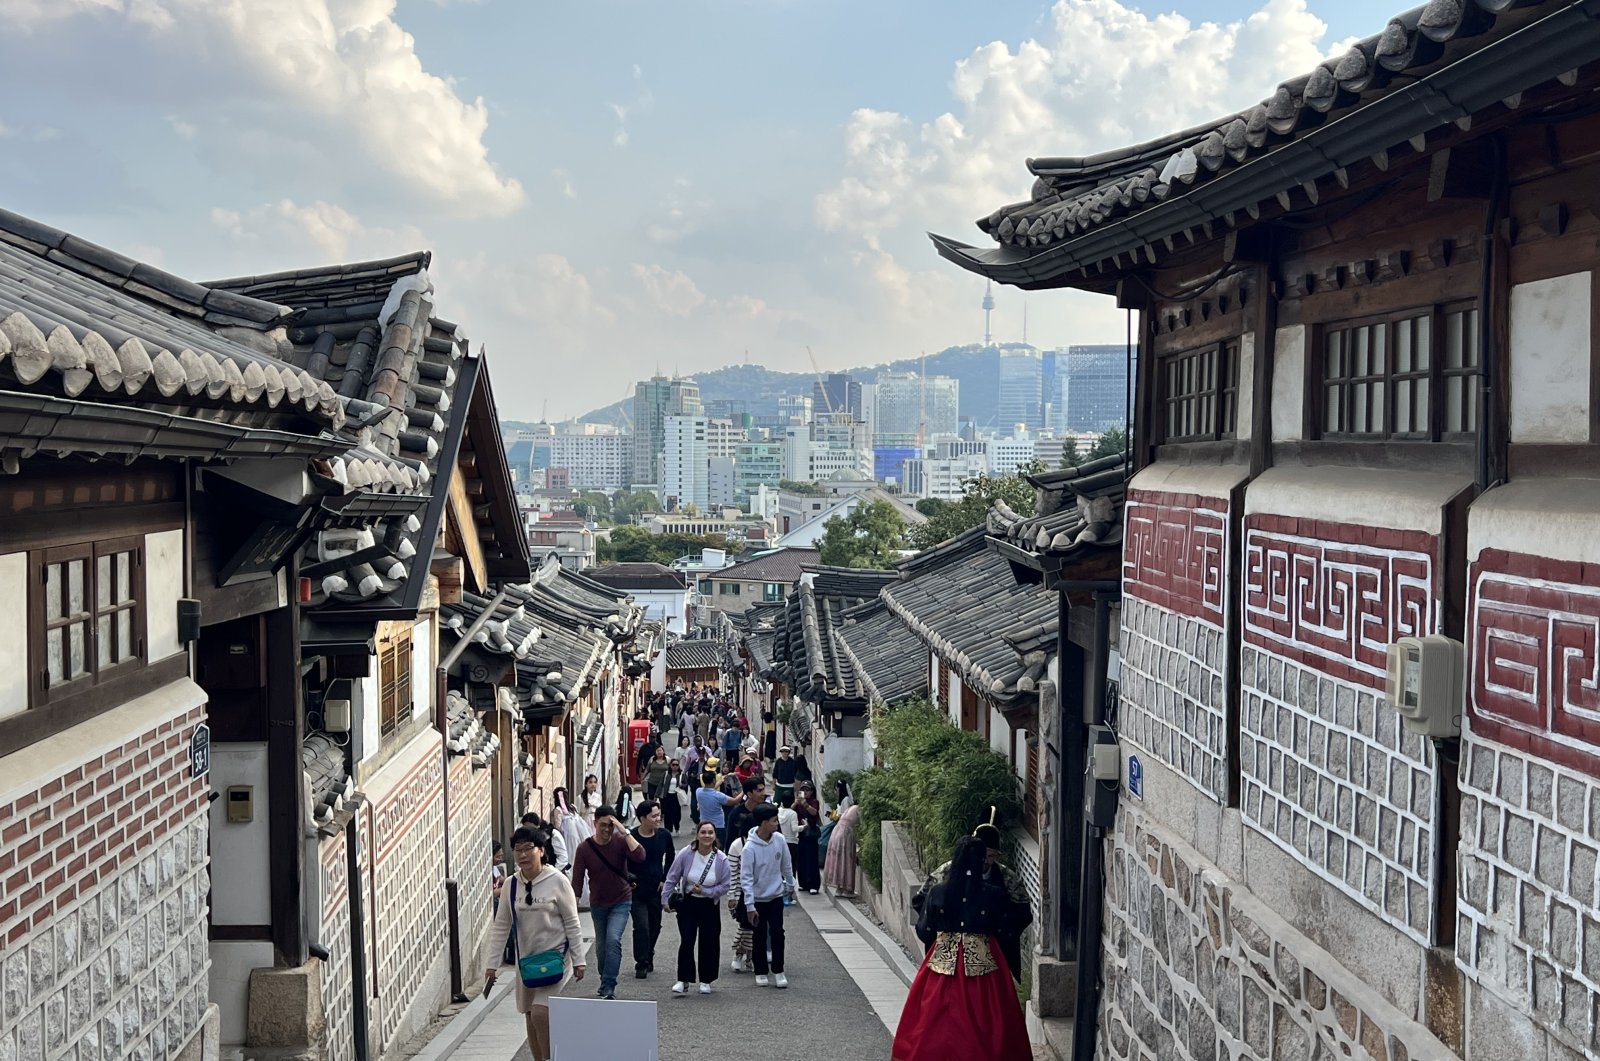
point(544, 969)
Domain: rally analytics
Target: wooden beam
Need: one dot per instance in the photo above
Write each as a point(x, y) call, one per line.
point(1465, 171)
point(450, 572)
point(460, 513)
point(285, 803)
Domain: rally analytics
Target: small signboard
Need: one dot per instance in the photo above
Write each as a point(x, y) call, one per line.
point(592, 1029)
point(1135, 777)
point(200, 751)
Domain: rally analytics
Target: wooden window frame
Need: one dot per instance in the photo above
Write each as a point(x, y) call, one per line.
point(40, 693)
point(394, 676)
point(1398, 386)
point(1210, 386)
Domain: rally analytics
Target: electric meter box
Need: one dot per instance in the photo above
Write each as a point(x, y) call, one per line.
point(1425, 684)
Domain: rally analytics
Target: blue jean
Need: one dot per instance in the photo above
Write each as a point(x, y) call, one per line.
point(609, 924)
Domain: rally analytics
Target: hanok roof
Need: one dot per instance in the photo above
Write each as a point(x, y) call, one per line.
point(779, 565)
point(1077, 507)
point(367, 330)
point(555, 654)
point(961, 600)
point(323, 761)
point(467, 735)
point(892, 662)
point(694, 655)
point(631, 576)
point(83, 327)
point(806, 651)
point(1430, 70)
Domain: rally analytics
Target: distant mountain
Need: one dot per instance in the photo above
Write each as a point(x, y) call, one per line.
point(757, 388)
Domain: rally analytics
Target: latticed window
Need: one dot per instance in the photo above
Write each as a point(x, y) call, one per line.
point(88, 615)
point(1200, 393)
point(394, 682)
point(1410, 375)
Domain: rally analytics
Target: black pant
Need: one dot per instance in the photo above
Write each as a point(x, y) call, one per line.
point(700, 932)
point(672, 812)
point(646, 925)
point(768, 931)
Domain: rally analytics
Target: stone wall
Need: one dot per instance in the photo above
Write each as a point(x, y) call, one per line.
point(902, 876)
point(1197, 969)
point(103, 889)
point(334, 934)
point(471, 829)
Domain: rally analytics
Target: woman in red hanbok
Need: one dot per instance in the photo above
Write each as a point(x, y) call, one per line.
point(962, 1003)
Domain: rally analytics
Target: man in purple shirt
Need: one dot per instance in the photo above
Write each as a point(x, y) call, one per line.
point(603, 861)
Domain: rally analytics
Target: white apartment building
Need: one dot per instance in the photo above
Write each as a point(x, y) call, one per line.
point(944, 477)
point(597, 459)
point(1006, 455)
point(723, 438)
point(828, 461)
point(722, 482)
point(685, 464)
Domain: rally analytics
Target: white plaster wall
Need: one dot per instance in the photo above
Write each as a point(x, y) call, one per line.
point(14, 638)
point(231, 964)
point(424, 687)
point(933, 679)
point(952, 694)
point(1245, 420)
point(163, 579)
point(1214, 480)
point(1550, 360)
point(1398, 500)
point(842, 753)
point(367, 712)
point(240, 865)
point(1553, 518)
point(1019, 753)
point(1288, 384)
point(999, 732)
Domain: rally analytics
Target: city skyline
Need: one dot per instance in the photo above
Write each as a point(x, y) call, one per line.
point(590, 206)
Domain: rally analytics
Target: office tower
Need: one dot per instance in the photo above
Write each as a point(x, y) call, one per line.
point(1093, 388)
point(794, 407)
point(597, 460)
point(907, 406)
point(722, 436)
point(837, 392)
point(684, 463)
point(756, 464)
point(654, 400)
point(722, 484)
point(1006, 455)
point(1021, 396)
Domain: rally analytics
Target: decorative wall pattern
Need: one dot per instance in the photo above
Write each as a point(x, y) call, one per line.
point(470, 833)
point(1335, 595)
point(1534, 675)
point(1176, 553)
point(1172, 699)
point(1331, 776)
point(335, 936)
point(103, 886)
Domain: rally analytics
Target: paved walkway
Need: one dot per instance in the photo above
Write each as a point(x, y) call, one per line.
point(842, 1002)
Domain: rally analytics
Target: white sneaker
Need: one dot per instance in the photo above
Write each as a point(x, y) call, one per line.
point(780, 980)
point(739, 965)
point(678, 988)
point(761, 981)
point(705, 989)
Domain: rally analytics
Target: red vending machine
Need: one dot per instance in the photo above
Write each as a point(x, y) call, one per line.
point(638, 737)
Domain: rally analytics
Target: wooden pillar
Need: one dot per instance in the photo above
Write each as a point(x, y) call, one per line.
point(286, 813)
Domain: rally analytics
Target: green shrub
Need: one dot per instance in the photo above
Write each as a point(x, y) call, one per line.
point(830, 783)
point(939, 780)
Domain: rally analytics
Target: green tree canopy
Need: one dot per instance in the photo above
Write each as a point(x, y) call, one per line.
point(634, 544)
point(791, 486)
point(870, 536)
point(1109, 444)
point(983, 491)
point(932, 506)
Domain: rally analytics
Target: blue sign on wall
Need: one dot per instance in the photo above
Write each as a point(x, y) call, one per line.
point(1135, 777)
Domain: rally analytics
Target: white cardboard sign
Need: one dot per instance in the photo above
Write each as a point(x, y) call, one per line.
point(595, 1029)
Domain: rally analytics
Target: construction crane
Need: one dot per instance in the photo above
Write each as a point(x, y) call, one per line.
point(823, 387)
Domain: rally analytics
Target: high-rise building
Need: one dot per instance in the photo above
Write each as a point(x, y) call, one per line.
point(722, 436)
point(1093, 391)
point(684, 462)
point(1006, 455)
point(906, 406)
point(654, 400)
point(837, 392)
point(794, 407)
point(1021, 394)
point(756, 464)
point(597, 460)
point(722, 483)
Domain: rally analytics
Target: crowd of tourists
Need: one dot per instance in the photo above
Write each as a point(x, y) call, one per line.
point(725, 828)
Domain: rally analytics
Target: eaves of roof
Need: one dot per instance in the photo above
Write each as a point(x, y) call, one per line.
point(1433, 66)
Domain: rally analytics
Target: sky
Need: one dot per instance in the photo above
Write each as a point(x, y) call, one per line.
point(613, 188)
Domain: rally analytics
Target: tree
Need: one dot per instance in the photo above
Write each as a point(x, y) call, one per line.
point(1111, 443)
point(627, 506)
point(792, 486)
point(932, 506)
point(592, 505)
point(983, 491)
point(1070, 457)
point(870, 536)
point(634, 544)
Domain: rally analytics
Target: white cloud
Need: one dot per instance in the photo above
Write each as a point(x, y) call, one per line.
point(1100, 76)
point(670, 291)
point(321, 231)
point(342, 72)
point(643, 101)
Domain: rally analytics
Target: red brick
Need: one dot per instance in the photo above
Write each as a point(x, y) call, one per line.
point(13, 831)
point(55, 880)
point(52, 835)
point(38, 818)
point(18, 930)
point(50, 789)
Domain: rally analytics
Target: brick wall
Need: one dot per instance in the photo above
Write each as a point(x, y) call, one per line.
point(1197, 969)
point(332, 857)
point(103, 888)
point(1174, 634)
point(471, 830)
point(1328, 772)
point(408, 909)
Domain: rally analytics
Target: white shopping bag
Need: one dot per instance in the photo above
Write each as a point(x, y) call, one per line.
point(597, 1029)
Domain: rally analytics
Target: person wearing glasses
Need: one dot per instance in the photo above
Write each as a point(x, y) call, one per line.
point(538, 912)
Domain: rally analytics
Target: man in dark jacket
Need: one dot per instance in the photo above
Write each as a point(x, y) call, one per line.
point(784, 772)
point(741, 816)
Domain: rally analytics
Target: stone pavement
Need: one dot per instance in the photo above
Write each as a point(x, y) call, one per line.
point(842, 1002)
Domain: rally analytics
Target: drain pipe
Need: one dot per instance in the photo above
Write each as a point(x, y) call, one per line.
point(358, 950)
point(452, 888)
point(1491, 434)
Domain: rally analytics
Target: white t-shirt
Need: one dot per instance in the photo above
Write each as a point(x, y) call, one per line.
point(789, 825)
